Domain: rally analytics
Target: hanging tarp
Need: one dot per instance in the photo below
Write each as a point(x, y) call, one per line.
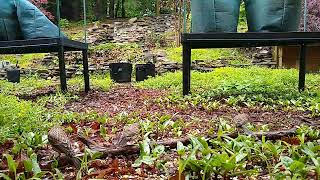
point(273, 15)
point(9, 26)
point(215, 15)
point(33, 23)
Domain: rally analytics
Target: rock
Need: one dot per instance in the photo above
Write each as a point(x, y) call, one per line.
point(43, 71)
point(161, 54)
point(44, 75)
point(4, 64)
point(132, 20)
point(263, 52)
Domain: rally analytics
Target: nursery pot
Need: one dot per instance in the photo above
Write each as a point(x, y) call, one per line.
point(143, 71)
point(121, 72)
point(273, 15)
point(215, 15)
point(13, 75)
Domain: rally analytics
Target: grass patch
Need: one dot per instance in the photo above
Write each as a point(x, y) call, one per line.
point(19, 117)
point(98, 81)
point(24, 60)
point(247, 87)
point(175, 54)
point(27, 85)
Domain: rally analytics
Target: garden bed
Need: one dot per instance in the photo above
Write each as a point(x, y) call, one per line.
point(218, 132)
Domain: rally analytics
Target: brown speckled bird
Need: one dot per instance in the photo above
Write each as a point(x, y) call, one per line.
point(61, 143)
point(129, 134)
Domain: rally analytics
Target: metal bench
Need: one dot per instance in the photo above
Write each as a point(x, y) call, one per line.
point(236, 40)
point(47, 45)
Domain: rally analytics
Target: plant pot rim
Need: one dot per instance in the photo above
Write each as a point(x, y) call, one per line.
point(13, 70)
point(121, 63)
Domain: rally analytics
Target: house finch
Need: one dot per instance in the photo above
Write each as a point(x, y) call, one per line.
point(61, 143)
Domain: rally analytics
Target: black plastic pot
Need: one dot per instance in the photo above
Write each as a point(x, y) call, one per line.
point(143, 71)
point(13, 75)
point(121, 72)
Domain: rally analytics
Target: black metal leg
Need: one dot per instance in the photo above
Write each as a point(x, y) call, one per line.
point(302, 68)
point(86, 71)
point(62, 69)
point(186, 68)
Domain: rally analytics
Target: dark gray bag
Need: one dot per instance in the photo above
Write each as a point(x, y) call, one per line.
point(9, 25)
point(215, 15)
point(33, 23)
point(273, 15)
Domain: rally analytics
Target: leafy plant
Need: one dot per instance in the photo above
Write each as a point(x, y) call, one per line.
point(148, 156)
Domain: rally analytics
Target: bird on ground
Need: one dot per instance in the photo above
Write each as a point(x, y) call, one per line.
point(129, 134)
point(60, 142)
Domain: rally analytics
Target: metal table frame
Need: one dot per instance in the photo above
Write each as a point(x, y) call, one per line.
point(47, 45)
point(236, 40)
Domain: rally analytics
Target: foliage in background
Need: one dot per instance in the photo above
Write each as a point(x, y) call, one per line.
point(242, 26)
point(136, 8)
point(42, 5)
point(313, 15)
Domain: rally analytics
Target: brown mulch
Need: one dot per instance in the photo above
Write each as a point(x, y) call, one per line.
point(142, 103)
point(37, 93)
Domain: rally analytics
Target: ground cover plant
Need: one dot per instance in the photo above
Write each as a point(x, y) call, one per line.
point(24, 61)
point(213, 134)
point(245, 87)
point(235, 57)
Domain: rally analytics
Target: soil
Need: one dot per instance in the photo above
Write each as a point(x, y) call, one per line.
point(143, 103)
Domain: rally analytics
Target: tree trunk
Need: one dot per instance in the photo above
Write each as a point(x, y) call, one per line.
point(99, 9)
point(157, 7)
point(111, 9)
point(117, 8)
point(123, 9)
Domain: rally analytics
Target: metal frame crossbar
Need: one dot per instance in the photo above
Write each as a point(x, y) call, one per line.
point(60, 45)
point(236, 40)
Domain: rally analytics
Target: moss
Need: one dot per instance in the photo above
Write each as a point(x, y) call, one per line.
point(97, 81)
point(24, 60)
point(175, 54)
